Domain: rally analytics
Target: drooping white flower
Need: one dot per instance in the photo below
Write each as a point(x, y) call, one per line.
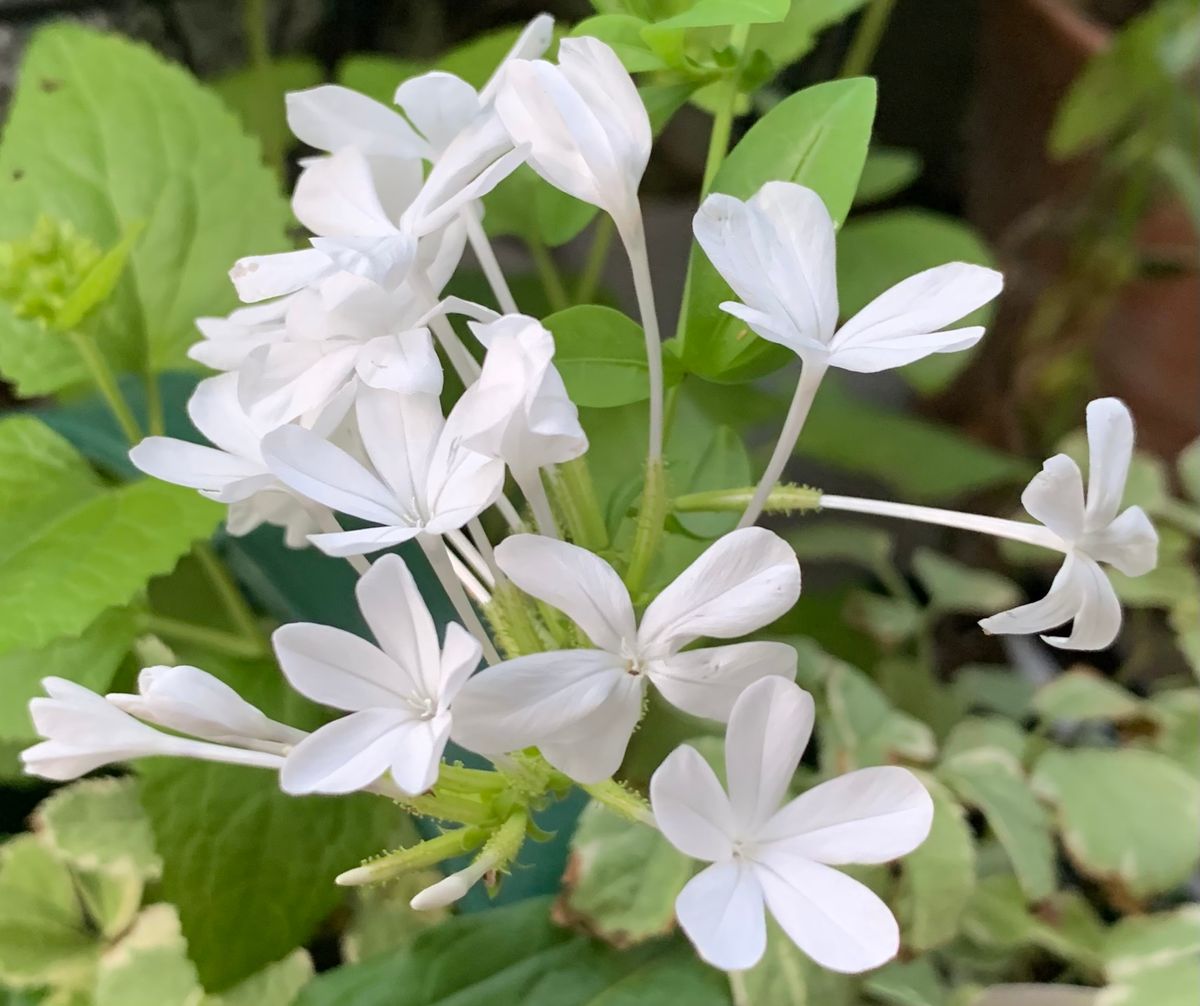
point(586, 127)
point(580, 707)
point(84, 731)
point(232, 471)
point(1093, 529)
point(191, 701)
point(398, 694)
point(425, 481)
point(780, 858)
point(776, 250)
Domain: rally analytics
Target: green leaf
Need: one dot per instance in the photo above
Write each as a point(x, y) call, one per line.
point(377, 76)
point(1139, 943)
point(135, 139)
point(515, 956)
point(720, 464)
point(1188, 466)
point(989, 688)
point(863, 727)
point(150, 966)
point(44, 937)
point(998, 917)
point(787, 41)
point(986, 733)
point(1177, 715)
point(98, 825)
point(917, 459)
point(97, 555)
point(842, 542)
point(1128, 818)
point(938, 876)
point(817, 137)
point(622, 879)
point(262, 110)
point(888, 620)
point(786, 976)
point(992, 781)
point(623, 34)
point(601, 355)
point(1172, 984)
point(100, 282)
point(878, 251)
point(251, 868)
point(956, 588)
point(887, 172)
point(907, 983)
point(1081, 694)
point(277, 984)
point(717, 13)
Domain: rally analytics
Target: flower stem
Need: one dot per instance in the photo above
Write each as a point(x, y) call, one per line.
point(106, 384)
point(651, 515)
point(530, 483)
point(439, 559)
point(461, 360)
point(813, 370)
point(997, 527)
point(576, 495)
point(639, 261)
point(597, 258)
point(621, 801)
point(867, 37)
point(513, 621)
point(783, 499)
point(231, 597)
point(486, 256)
point(718, 138)
point(264, 111)
point(552, 281)
point(419, 857)
point(201, 635)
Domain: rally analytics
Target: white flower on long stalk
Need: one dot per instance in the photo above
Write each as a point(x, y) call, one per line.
point(398, 694)
point(768, 855)
point(191, 701)
point(233, 471)
point(1093, 529)
point(425, 482)
point(83, 731)
point(777, 251)
point(580, 707)
point(519, 410)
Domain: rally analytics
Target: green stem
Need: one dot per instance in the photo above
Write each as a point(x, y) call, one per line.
point(552, 281)
point(783, 499)
point(447, 807)
point(106, 384)
point(576, 496)
point(259, 50)
point(418, 857)
point(469, 780)
point(154, 404)
point(867, 37)
point(652, 513)
point(722, 127)
point(593, 268)
point(231, 598)
point(511, 619)
point(200, 635)
point(621, 800)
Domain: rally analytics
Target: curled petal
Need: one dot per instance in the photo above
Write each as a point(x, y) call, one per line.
point(1098, 619)
point(1054, 496)
point(1129, 543)
point(1110, 450)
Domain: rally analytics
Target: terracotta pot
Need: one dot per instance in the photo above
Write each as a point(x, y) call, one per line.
point(1147, 349)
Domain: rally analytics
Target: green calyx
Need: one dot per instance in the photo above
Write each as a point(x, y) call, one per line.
point(39, 273)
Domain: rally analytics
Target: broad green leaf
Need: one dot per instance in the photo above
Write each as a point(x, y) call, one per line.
point(918, 459)
point(110, 900)
point(622, 879)
point(95, 556)
point(998, 917)
point(887, 172)
point(150, 966)
point(1081, 694)
point(601, 355)
point(383, 921)
point(786, 976)
point(985, 733)
point(477, 59)
point(1142, 942)
point(377, 76)
point(715, 13)
point(992, 781)
point(277, 984)
point(1188, 466)
point(1177, 714)
point(890, 621)
point(864, 729)
point(907, 983)
point(623, 34)
point(1172, 984)
point(842, 541)
point(987, 688)
point(526, 206)
point(135, 139)
point(44, 937)
point(257, 96)
point(788, 40)
point(956, 588)
point(91, 659)
point(1128, 818)
point(251, 868)
point(878, 251)
point(817, 137)
point(938, 876)
point(98, 825)
point(721, 464)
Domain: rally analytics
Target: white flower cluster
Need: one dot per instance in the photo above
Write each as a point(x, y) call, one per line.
point(329, 402)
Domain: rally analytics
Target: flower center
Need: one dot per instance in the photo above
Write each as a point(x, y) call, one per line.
point(424, 707)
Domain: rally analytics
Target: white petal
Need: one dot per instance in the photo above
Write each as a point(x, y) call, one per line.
point(1110, 449)
point(335, 197)
point(400, 434)
point(1098, 619)
point(340, 669)
point(362, 542)
point(691, 808)
point(406, 363)
point(283, 381)
point(462, 483)
point(215, 411)
point(897, 351)
point(838, 922)
point(191, 465)
point(1129, 542)
point(532, 43)
point(920, 305)
point(741, 582)
point(1059, 605)
point(576, 582)
point(520, 702)
point(396, 613)
point(592, 749)
point(257, 277)
point(346, 755)
point(708, 681)
point(1054, 496)
point(768, 731)
point(330, 117)
point(870, 816)
point(319, 471)
point(439, 104)
point(418, 753)
point(461, 653)
point(721, 910)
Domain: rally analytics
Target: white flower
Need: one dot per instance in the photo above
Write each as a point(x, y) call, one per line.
point(425, 481)
point(777, 252)
point(585, 124)
point(519, 410)
point(228, 341)
point(84, 731)
point(192, 701)
point(780, 857)
point(580, 707)
point(1092, 532)
point(398, 693)
point(233, 471)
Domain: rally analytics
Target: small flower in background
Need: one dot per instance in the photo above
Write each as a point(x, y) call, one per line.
point(780, 858)
point(1092, 532)
point(398, 693)
point(580, 707)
